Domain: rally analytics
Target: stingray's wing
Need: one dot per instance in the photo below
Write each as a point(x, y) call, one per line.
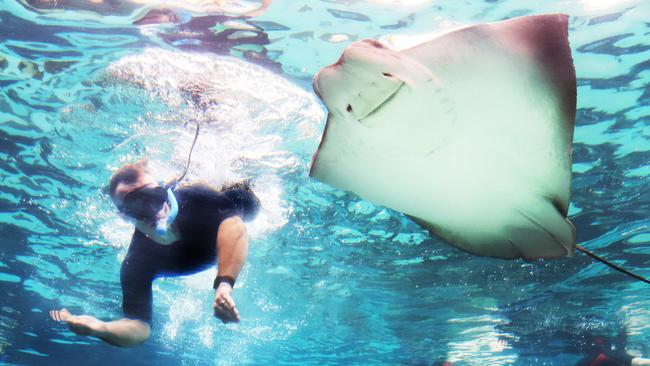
point(486, 65)
point(496, 181)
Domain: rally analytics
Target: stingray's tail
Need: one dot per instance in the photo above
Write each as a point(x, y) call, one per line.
point(612, 265)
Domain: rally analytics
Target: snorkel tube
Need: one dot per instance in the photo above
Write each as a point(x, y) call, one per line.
point(163, 224)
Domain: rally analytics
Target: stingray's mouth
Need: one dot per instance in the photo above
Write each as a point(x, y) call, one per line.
point(381, 103)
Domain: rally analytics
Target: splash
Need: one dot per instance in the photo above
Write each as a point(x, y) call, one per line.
point(252, 122)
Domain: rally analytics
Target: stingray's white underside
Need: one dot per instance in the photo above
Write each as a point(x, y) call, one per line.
point(474, 145)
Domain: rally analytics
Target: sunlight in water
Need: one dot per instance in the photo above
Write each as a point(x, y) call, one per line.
point(599, 5)
point(330, 278)
point(402, 2)
point(481, 342)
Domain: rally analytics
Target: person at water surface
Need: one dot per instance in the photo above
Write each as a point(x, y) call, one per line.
point(178, 232)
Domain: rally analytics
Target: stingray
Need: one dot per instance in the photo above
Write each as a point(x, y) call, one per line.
point(469, 134)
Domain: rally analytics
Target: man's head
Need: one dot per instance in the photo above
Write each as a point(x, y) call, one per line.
point(137, 195)
point(128, 178)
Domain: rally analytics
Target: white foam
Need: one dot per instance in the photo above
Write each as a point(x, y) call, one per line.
point(249, 118)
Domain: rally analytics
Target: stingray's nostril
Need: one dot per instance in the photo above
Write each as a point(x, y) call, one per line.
point(387, 74)
point(349, 108)
point(374, 43)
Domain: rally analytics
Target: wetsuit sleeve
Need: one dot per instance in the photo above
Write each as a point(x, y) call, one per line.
point(246, 203)
point(200, 204)
point(136, 278)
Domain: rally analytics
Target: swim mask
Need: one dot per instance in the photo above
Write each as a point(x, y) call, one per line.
point(144, 203)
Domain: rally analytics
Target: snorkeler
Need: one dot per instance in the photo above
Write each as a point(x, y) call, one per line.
point(601, 352)
point(178, 232)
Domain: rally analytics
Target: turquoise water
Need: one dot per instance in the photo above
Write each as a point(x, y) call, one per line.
point(330, 279)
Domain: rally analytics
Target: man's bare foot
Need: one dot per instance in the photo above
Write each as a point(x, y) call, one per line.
point(80, 324)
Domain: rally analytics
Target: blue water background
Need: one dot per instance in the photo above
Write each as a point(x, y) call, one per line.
point(331, 279)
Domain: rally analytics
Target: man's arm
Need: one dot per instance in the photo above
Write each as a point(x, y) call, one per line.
point(232, 249)
point(121, 333)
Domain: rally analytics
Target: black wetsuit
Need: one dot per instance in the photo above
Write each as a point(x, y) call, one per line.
point(201, 211)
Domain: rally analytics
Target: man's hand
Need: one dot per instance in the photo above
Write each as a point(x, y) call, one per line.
point(81, 324)
point(224, 305)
